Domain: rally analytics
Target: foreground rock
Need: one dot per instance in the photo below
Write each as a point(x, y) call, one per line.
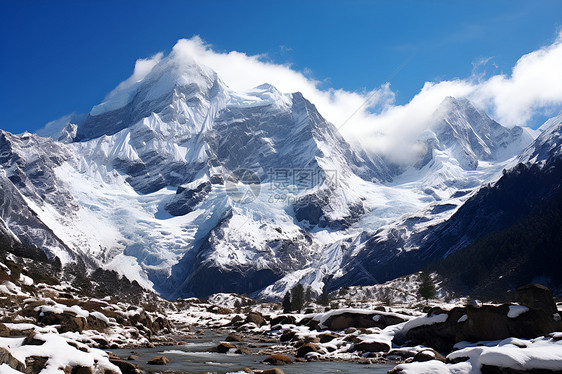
point(158, 360)
point(278, 360)
point(487, 322)
point(125, 366)
point(342, 320)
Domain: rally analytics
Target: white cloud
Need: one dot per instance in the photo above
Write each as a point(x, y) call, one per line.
point(534, 85)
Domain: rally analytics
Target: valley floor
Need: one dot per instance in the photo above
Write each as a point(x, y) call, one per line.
point(57, 329)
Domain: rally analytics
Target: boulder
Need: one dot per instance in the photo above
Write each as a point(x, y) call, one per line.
point(133, 358)
point(68, 321)
point(486, 322)
point(255, 317)
point(284, 320)
point(536, 296)
point(328, 337)
point(243, 351)
point(346, 320)
point(158, 360)
point(428, 355)
point(234, 337)
point(307, 348)
point(224, 347)
point(237, 320)
point(96, 324)
point(278, 360)
point(287, 335)
point(371, 346)
point(125, 366)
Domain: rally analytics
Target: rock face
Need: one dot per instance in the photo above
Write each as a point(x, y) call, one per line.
point(487, 322)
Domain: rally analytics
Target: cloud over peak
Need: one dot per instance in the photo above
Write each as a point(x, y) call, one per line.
point(372, 118)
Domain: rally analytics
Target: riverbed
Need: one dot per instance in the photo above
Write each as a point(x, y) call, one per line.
point(193, 357)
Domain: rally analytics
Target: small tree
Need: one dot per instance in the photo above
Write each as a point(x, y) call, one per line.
point(308, 294)
point(323, 299)
point(386, 296)
point(427, 287)
point(287, 302)
point(297, 299)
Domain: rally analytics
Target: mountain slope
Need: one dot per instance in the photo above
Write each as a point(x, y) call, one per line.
point(492, 211)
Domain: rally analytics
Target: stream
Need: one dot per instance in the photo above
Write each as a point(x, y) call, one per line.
point(193, 357)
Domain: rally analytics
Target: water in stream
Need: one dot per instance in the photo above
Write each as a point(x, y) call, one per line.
point(194, 358)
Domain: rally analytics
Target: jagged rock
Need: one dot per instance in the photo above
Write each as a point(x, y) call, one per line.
point(4, 331)
point(124, 366)
point(35, 364)
point(255, 317)
point(278, 360)
point(536, 296)
point(68, 321)
point(428, 355)
point(307, 348)
point(158, 360)
point(96, 324)
point(371, 346)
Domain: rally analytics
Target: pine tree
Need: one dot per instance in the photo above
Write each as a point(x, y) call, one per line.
point(308, 294)
point(297, 300)
point(427, 287)
point(287, 302)
point(323, 299)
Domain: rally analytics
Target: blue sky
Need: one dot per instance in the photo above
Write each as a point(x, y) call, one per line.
point(58, 57)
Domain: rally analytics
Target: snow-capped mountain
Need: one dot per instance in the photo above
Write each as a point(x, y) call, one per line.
point(529, 181)
point(191, 188)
